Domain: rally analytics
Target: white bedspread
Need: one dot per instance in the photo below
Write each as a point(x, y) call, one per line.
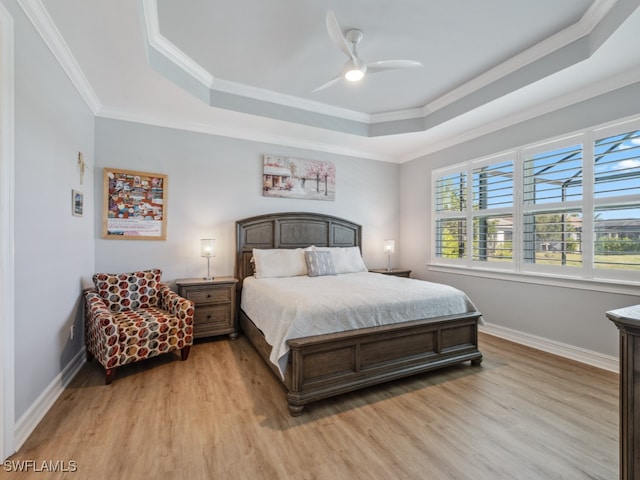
point(294, 307)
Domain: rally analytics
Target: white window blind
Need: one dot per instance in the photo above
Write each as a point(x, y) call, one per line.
point(616, 191)
point(554, 176)
point(493, 186)
point(617, 165)
point(451, 237)
point(451, 192)
point(569, 207)
point(493, 191)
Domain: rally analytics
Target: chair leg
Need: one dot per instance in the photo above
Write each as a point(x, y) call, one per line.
point(89, 356)
point(110, 374)
point(184, 353)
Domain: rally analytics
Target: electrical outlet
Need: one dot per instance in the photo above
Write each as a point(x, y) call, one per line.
point(72, 327)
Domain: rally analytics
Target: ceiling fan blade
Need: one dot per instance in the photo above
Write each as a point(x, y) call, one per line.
point(328, 84)
point(383, 65)
point(336, 35)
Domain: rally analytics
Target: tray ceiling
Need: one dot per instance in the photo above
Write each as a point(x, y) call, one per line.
point(248, 67)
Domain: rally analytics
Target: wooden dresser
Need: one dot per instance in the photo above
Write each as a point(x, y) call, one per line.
point(215, 305)
point(628, 322)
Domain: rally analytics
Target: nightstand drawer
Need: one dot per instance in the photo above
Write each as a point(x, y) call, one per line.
point(215, 302)
point(212, 318)
point(209, 295)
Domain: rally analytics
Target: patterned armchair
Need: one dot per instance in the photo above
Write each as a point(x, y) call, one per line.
point(133, 316)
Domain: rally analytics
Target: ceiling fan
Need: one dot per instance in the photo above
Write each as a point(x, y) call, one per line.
point(355, 69)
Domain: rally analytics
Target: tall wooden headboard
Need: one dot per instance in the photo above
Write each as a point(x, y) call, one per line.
point(291, 230)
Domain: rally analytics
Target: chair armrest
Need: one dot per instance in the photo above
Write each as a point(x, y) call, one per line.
point(101, 332)
point(175, 304)
point(97, 310)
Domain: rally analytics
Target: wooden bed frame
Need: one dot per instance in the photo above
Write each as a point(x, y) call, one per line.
point(322, 366)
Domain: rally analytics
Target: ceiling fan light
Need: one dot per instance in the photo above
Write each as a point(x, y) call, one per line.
point(354, 75)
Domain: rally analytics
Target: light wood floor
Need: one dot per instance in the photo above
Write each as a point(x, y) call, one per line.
point(523, 414)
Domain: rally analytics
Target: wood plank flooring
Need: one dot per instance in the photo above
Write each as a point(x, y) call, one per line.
point(222, 414)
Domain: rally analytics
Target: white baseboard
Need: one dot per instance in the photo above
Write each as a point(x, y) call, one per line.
point(27, 423)
point(595, 359)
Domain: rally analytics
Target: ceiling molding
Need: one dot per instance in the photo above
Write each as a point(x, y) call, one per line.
point(288, 100)
point(610, 84)
point(582, 28)
point(39, 17)
point(397, 115)
point(158, 42)
point(238, 133)
point(165, 47)
point(446, 107)
point(436, 113)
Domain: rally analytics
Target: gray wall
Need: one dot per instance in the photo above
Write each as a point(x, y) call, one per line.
point(214, 181)
point(53, 249)
point(567, 315)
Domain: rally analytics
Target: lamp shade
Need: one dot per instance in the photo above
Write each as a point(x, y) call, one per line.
point(388, 246)
point(207, 247)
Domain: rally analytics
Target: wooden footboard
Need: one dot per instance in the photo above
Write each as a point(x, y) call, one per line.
point(323, 366)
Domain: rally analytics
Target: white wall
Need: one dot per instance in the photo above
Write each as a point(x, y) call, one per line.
point(54, 250)
point(214, 181)
point(570, 316)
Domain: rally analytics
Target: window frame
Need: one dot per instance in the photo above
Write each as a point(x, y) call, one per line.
point(587, 205)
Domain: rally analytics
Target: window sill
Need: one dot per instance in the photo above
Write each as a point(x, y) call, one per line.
point(597, 285)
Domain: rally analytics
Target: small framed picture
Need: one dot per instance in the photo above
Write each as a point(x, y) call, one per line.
point(77, 203)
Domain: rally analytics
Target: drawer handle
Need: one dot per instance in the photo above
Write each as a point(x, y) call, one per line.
point(209, 295)
point(208, 317)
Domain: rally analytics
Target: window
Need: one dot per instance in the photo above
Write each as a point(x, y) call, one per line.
point(451, 194)
point(492, 213)
point(616, 192)
point(551, 207)
point(569, 207)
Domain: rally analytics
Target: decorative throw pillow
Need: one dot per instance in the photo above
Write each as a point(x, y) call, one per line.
point(345, 259)
point(319, 263)
point(128, 291)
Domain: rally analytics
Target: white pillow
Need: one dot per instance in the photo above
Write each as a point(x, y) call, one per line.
point(276, 262)
point(345, 259)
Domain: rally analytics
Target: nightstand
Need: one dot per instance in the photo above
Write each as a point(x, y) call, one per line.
point(397, 272)
point(215, 305)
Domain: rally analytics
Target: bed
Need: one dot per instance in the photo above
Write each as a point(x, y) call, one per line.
point(323, 365)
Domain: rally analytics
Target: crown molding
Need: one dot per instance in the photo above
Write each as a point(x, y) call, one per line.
point(608, 85)
point(43, 23)
point(158, 42)
point(165, 47)
point(39, 17)
point(397, 115)
point(253, 135)
point(288, 100)
point(594, 15)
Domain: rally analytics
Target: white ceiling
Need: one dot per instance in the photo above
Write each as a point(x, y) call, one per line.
point(247, 68)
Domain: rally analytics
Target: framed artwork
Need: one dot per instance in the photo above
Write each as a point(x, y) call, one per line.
point(77, 203)
point(287, 177)
point(134, 205)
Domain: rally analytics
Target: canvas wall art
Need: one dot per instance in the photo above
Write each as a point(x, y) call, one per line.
point(287, 177)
